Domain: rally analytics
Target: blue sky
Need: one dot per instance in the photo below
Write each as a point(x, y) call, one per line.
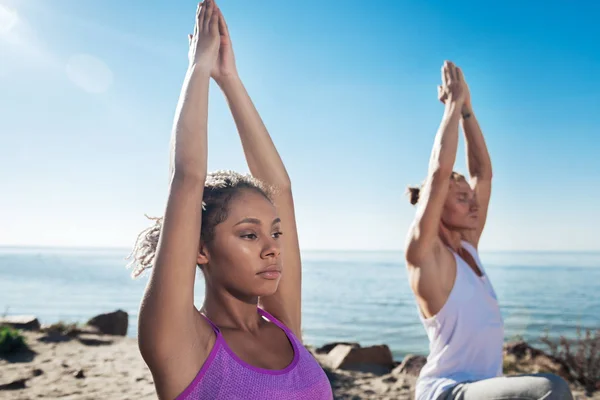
point(347, 90)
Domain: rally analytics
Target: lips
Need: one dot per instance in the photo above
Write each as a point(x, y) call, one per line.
point(271, 272)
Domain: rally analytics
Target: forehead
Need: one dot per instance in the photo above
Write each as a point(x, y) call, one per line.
point(249, 203)
point(460, 186)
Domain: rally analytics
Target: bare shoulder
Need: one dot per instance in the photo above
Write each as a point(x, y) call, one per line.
point(430, 276)
point(418, 256)
point(174, 369)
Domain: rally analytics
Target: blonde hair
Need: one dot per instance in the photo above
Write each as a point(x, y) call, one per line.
point(414, 192)
point(219, 189)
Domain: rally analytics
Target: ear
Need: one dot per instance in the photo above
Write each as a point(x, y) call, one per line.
point(203, 256)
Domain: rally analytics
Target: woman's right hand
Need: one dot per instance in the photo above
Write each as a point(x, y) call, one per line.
point(454, 88)
point(204, 43)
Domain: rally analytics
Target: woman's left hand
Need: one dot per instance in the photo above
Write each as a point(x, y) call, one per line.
point(225, 66)
point(443, 94)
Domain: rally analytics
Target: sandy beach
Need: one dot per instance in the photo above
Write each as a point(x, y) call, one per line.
point(97, 366)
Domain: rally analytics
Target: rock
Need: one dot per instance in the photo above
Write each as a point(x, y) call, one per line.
point(17, 384)
point(411, 365)
point(92, 341)
point(325, 349)
point(79, 374)
point(114, 323)
point(520, 357)
point(37, 372)
point(373, 359)
point(24, 322)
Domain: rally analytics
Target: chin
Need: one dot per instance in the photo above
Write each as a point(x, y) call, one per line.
point(267, 289)
point(470, 228)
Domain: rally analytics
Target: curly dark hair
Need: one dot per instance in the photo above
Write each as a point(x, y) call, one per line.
point(219, 189)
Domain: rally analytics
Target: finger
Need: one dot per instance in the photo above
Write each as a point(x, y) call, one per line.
point(210, 7)
point(452, 71)
point(445, 75)
point(200, 20)
point(214, 22)
point(441, 94)
point(459, 75)
point(223, 25)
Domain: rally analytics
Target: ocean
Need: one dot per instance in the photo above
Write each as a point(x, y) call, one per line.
point(347, 295)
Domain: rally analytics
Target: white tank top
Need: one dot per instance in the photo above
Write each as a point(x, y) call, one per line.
point(466, 336)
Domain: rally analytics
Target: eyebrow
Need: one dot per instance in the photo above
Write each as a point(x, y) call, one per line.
point(256, 221)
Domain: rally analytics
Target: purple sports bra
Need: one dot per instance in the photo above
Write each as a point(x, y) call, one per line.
point(225, 376)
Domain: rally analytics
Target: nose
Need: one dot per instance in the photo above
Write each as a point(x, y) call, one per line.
point(271, 249)
point(474, 204)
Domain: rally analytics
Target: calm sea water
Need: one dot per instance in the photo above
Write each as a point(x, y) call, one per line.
point(347, 296)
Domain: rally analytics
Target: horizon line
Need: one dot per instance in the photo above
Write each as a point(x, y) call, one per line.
point(354, 250)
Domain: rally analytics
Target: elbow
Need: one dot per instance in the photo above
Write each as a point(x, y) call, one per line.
point(440, 170)
point(441, 164)
point(281, 182)
point(285, 186)
point(484, 174)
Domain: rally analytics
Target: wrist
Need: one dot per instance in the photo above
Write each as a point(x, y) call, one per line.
point(229, 82)
point(198, 70)
point(453, 108)
point(466, 111)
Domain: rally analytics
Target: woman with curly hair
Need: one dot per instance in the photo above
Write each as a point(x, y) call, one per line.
point(240, 230)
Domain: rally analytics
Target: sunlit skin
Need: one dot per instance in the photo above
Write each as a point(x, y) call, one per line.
point(243, 264)
point(460, 213)
point(244, 258)
point(450, 209)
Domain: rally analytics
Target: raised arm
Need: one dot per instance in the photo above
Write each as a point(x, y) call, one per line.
point(168, 328)
point(265, 164)
point(424, 231)
point(480, 168)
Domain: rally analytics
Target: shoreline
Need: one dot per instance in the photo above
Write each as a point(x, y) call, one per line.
point(84, 363)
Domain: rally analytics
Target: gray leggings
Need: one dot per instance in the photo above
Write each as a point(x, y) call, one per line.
point(518, 387)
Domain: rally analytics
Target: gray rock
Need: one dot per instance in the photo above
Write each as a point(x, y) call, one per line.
point(374, 359)
point(24, 322)
point(325, 349)
point(115, 323)
point(411, 365)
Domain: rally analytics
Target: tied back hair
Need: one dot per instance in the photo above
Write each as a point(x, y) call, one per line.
point(414, 192)
point(219, 189)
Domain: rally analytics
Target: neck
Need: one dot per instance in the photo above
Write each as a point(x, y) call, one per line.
point(229, 311)
point(451, 238)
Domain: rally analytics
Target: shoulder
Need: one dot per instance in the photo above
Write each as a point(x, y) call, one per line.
point(176, 367)
point(418, 257)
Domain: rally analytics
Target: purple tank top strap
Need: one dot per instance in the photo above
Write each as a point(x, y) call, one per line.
point(274, 320)
point(215, 327)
